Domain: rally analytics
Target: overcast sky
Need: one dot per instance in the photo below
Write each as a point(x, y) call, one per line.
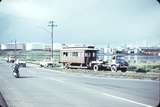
point(80, 21)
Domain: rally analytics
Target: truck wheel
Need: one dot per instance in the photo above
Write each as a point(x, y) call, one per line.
point(123, 70)
point(95, 67)
point(113, 68)
point(66, 66)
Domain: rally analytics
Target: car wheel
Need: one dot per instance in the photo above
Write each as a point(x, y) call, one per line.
point(50, 65)
point(113, 68)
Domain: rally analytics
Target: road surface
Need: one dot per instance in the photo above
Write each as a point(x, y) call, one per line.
point(39, 87)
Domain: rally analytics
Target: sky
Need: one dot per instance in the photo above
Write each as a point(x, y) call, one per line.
point(98, 22)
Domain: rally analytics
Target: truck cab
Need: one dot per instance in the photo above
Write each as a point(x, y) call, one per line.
point(114, 64)
point(119, 63)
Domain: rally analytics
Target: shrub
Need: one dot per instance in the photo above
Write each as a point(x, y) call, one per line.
point(132, 68)
point(141, 70)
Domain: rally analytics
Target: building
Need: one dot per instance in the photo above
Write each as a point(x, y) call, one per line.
point(12, 46)
point(150, 51)
point(34, 46)
point(42, 46)
point(109, 51)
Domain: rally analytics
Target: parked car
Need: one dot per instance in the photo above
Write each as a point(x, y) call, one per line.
point(22, 63)
point(46, 63)
point(11, 59)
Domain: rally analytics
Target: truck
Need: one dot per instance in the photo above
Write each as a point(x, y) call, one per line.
point(86, 57)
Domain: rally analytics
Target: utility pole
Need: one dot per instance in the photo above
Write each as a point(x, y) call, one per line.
point(15, 49)
point(52, 25)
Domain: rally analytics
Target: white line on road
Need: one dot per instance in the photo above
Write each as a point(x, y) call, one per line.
point(109, 95)
point(127, 100)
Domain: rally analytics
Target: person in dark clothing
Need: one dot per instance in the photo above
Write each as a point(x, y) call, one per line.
point(16, 68)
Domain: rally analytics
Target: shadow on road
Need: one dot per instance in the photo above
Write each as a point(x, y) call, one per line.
point(158, 105)
point(26, 77)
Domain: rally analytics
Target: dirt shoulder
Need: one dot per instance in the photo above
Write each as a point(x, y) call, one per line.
point(109, 74)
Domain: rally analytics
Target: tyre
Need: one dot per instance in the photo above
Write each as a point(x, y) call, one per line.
point(12, 61)
point(95, 67)
point(113, 68)
point(66, 66)
point(123, 70)
point(16, 75)
point(50, 65)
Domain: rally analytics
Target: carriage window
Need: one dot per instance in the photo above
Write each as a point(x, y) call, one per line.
point(94, 54)
point(65, 53)
point(87, 54)
point(80, 54)
point(74, 53)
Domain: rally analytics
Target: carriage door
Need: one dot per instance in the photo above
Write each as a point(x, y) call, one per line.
point(89, 56)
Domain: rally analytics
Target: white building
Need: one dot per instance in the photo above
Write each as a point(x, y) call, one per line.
point(12, 46)
point(34, 46)
point(3, 46)
point(109, 50)
point(42, 46)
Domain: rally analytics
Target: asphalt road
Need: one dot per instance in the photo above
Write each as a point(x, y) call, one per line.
point(40, 87)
